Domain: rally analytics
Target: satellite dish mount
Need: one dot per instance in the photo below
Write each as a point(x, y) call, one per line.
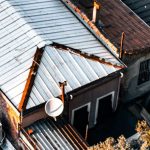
point(62, 87)
point(55, 106)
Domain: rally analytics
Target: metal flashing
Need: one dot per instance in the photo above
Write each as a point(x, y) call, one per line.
point(30, 80)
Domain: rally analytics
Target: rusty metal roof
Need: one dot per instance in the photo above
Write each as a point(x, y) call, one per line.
point(26, 25)
point(49, 134)
point(115, 17)
point(140, 7)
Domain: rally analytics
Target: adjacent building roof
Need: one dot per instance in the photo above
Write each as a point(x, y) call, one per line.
point(114, 18)
point(50, 134)
point(140, 7)
point(26, 25)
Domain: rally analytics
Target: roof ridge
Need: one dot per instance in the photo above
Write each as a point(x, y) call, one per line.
point(44, 42)
point(87, 55)
point(32, 33)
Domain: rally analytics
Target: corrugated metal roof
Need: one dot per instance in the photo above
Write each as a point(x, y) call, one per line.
point(115, 18)
point(141, 7)
point(51, 20)
point(58, 65)
point(50, 135)
point(26, 24)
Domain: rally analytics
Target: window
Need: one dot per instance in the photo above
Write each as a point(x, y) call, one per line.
point(104, 108)
point(144, 72)
point(80, 118)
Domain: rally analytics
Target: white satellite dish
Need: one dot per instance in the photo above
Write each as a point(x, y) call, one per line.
point(54, 107)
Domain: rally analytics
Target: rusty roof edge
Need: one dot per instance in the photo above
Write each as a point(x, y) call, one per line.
point(87, 55)
point(31, 77)
point(85, 20)
point(97, 82)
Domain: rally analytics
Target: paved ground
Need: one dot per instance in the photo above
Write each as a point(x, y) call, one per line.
point(122, 122)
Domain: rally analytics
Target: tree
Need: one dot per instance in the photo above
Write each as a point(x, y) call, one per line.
point(142, 143)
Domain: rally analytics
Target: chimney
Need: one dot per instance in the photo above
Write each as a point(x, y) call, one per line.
point(95, 8)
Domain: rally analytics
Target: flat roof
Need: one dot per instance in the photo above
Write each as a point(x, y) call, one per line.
point(60, 135)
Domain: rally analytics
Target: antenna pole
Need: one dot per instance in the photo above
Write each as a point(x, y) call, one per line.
point(121, 45)
point(95, 8)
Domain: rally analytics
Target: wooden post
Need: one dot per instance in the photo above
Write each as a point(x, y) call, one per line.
point(121, 45)
point(62, 86)
point(95, 8)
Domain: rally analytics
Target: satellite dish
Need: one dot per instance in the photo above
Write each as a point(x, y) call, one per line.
point(54, 107)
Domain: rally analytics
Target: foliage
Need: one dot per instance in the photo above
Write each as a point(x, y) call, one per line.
point(111, 144)
point(144, 130)
point(142, 143)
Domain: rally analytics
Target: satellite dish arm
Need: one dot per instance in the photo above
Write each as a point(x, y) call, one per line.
point(62, 87)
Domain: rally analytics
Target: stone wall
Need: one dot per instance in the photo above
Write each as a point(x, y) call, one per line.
point(130, 87)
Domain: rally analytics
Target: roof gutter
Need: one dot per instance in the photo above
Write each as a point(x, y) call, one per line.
point(87, 55)
point(96, 83)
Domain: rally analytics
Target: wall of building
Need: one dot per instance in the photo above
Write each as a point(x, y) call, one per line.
point(10, 118)
point(80, 98)
point(130, 87)
point(35, 115)
point(91, 95)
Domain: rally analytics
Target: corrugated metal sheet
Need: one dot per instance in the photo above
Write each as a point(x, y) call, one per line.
point(51, 20)
point(50, 135)
point(17, 48)
point(26, 24)
point(58, 65)
point(141, 7)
